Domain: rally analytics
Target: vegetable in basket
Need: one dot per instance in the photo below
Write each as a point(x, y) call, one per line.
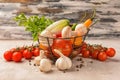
point(65, 46)
point(57, 26)
point(66, 32)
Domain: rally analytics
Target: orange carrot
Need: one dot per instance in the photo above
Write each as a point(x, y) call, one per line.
point(43, 47)
point(77, 41)
point(88, 22)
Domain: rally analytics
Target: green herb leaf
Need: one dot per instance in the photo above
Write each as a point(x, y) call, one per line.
point(33, 24)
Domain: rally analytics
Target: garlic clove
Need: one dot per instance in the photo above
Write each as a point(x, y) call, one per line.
point(45, 65)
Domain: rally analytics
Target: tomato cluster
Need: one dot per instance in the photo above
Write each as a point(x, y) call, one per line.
point(16, 54)
point(96, 51)
point(65, 46)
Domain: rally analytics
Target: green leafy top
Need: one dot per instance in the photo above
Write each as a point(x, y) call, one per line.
point(33, 24)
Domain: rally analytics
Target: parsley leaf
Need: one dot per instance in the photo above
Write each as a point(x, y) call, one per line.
point(33, 24)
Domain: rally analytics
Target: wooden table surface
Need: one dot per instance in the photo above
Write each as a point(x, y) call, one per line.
point(108, 70)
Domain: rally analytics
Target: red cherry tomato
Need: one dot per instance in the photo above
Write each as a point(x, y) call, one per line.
point(94, 54)
point(27, 54)
point(84, 45)
point(110, 52)
point(17, 56)
point(59, 42)
point(58, 35)
point(102, 56)
point(21, 49)
point(65, 46)
point(83, 49)
point(36, 52)
point(86, 54)
point(8, 55)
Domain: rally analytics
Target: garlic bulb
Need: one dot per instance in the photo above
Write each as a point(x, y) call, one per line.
point(80, 29)
point(66, 32)
point(45, 65)
point(63, 63)
point(38, 58)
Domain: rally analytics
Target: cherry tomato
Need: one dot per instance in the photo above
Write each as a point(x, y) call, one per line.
point(100, 48)
point(83, 49)
point(65, 46)
point(8, 55)
point(59, 42)
point(17, 56)
point(36, 52)
point(27, 54)
point(94, 54)
point(91, 48)
point(32, 48)
point(58, 35)
point(86, 54)
point(21, 49)
point(84, 45)
point(102, 56)
point(110, 52)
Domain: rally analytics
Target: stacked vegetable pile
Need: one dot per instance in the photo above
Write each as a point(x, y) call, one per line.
point(58, 42)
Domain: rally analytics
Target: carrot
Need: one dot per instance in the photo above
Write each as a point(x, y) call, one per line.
point(77, 41)
point(88, 22)
point(43, 47)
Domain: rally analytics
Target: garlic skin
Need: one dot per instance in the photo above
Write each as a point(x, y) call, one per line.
point(45, 65)
point(81, 29)
point(63, 63)
point(38, 58)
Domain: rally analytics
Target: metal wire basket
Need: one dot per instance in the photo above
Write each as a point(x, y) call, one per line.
point(74, 47)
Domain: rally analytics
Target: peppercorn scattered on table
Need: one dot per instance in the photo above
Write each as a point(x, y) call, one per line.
point(82, 68)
